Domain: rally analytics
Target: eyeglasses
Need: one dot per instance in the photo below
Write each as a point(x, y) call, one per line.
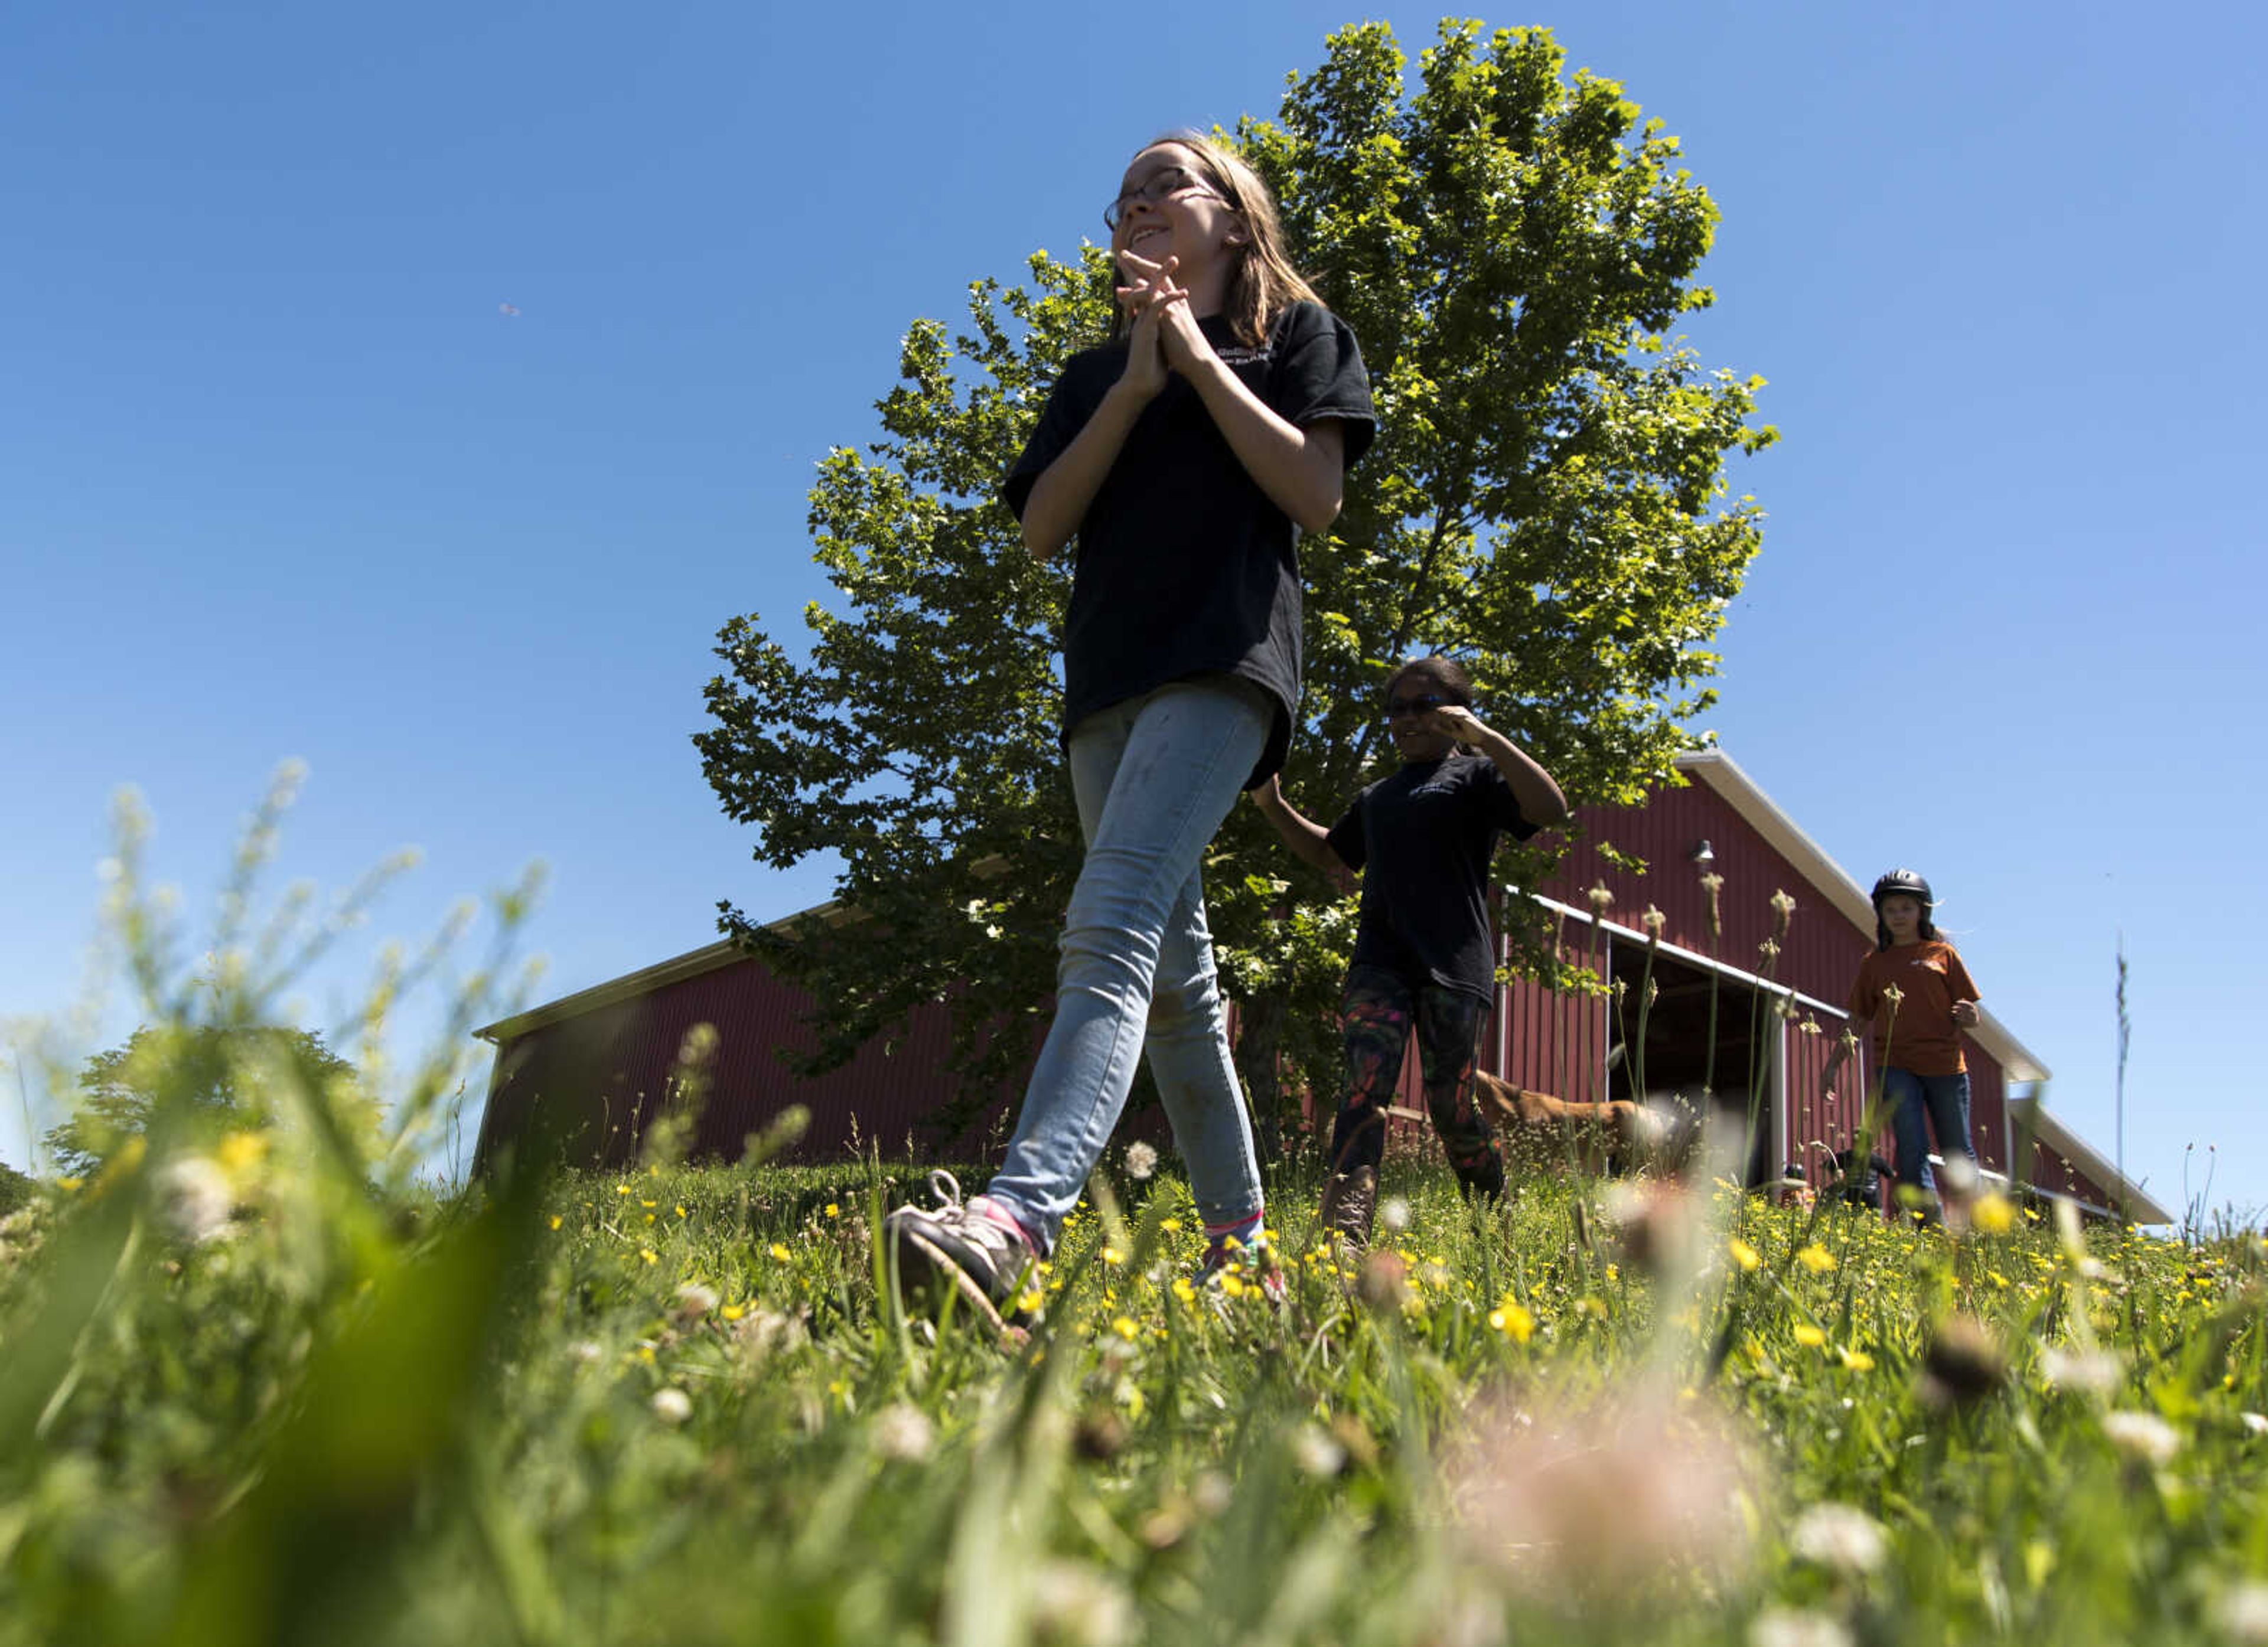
point(1157, 186)
point(1396, 708)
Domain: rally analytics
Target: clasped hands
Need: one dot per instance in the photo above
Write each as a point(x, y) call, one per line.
point(1166, 335)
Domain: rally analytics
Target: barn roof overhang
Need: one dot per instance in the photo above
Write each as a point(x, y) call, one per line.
point(2031, 1114)
point(644, 981)
point(1737, 790)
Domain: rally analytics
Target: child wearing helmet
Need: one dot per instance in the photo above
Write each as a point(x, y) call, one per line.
point(1916, 1034)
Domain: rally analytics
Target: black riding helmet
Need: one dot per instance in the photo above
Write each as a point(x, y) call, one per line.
point(1903, 880)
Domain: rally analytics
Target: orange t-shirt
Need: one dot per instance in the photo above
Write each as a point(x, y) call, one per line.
point(1922, 1036)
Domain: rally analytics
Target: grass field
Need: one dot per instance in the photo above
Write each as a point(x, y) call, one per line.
point(259, 1384)
point(677, 1405)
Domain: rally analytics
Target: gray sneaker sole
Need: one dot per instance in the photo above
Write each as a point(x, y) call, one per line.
point(934, 1263)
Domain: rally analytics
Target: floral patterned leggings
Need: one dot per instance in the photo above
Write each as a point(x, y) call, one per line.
point(1380, 1010)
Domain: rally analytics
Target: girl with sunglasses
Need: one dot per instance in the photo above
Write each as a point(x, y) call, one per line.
point(1185, 456)
point(1424, 955)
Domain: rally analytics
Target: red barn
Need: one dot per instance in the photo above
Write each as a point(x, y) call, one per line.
point(1726, 1014)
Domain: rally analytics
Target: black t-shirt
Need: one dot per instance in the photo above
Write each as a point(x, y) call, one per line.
point(1423, 837)
point(1184, 566)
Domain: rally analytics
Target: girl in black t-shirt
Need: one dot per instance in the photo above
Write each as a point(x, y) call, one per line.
point(1423, 957)
point(1185, 456)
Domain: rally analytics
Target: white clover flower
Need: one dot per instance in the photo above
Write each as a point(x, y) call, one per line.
point(903, 1433)
point(586, 1352)
point(2143, 1438)
point(1317, 1453)
point(1393, 1213)
point(194, 1198)
point(2255, 1424)
point(2243, 1613)
point(692, 1301)
point(2091, 1373)
point(1212, 1492)
point(1079, 1606)
point(1785, 1626)
point(1840, 1538)
point(672, 1406)
point(1141, 1159)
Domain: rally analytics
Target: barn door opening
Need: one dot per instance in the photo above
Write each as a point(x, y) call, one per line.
point(1730, 1069)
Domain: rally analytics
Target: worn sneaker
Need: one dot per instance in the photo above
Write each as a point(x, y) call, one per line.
point(1350, 1200)
point(976, 1247)
point(1232, 1266)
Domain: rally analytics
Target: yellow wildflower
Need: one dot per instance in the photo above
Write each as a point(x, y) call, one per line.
point(780, 1252)
point(1992, 1214)
point(649, 1254)
point(1817, 1259)
point(1512, 1319)
point(834, 1210)
point(1126, 1328)
point(1810, 1336)
point(1746, 1256)
point(241, 1151)
point(1857, 1360)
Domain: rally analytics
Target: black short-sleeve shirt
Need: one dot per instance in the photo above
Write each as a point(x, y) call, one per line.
point(1185, 565)
point(1423, 837)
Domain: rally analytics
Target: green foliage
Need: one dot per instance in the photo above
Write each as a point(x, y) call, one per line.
point(16, 1189)
point(1546, 500)
point(199, 1070)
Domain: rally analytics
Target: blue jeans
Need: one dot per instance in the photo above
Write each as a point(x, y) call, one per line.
point(1154, 776)
point(1920, 1104)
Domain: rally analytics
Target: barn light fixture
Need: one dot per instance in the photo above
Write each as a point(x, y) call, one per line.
point(1702, 856)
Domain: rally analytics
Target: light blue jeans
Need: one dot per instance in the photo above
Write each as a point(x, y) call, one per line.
point(1154, 776)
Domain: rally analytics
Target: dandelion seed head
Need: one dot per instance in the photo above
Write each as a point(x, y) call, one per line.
point(692, 1302)
point(194, 1198)
point(1840, 1538)
point(903, 1433)
point(1393, 1215)
point(1795, 1626)
point(1606, 1496)
point(1079, 1606)
point(2243, 1613)
point(1141, 1160)
point(672, 1406)
point(2083, 1373)
point(1317, 1451)
point(2142, 1437)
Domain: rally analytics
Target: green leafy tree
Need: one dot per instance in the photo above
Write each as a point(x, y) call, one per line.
point(196, 1077)
point(1547, 500)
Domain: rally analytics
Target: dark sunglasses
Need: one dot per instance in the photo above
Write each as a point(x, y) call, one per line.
point(1396, 708)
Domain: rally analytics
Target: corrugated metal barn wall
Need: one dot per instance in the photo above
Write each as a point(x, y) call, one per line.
point(614, 1066)
point(1822, 952)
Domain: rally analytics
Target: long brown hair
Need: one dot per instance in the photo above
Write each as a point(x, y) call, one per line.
point(1263, 283)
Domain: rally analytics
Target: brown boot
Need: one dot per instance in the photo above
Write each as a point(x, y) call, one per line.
point(1350, 1199)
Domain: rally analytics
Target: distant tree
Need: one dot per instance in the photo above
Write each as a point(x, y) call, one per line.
point(1546, 500)
point(197, 1077)
point(15, 1190)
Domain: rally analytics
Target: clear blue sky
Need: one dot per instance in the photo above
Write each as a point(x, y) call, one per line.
point(280, 477)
